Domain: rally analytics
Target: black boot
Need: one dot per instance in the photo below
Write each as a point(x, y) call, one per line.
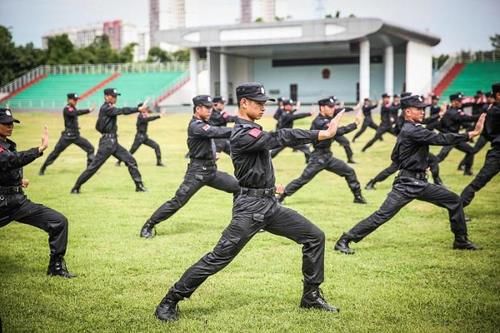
point(312, 298)
point(468, 172)
point(42, 171)
point(57, 267)
point(359, 199)
point(75, 190)
point(370, 185)
point(463, 243)
point(342, 244)
point(160, 164)
point(167, 310)
point(351, 161)
point(139, 187)
point(148, 230)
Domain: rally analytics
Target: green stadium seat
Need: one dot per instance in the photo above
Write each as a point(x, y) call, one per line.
point(475, 76)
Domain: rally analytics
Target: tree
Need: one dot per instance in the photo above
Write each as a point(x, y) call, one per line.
point(59, 51)
point(181, 55)
point(156, 54)
point(7, 56)
point(495, 41)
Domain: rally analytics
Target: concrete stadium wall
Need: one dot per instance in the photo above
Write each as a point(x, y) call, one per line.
point(418, 68)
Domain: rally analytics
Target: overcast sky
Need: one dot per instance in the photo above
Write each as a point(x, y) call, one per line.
point(461, 24)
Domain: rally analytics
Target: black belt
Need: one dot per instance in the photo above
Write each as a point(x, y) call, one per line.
point(258, 192)
point(11, 189)
point(413, 174)
point(109, 135)
point(202, 162)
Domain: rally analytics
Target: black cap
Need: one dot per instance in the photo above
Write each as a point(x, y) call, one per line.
point(111, 92)
point(384, 95)
point(218, 99)
point(396, 95)
point(405, 94)
point(488, 94)
point(416, 101)
point(73, 96)
point(456, 96)
point(479, 92)
point(367, 99)
point(204, 100)
point(495, 88)
point(254, 91)
point(6, 116)
point(287, 101)
point(435, 97)
point(329, 101)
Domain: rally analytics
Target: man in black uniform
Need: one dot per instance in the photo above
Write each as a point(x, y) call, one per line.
point(279, 111)
point(141, 136)
point(201, 170)
point(368, 120)
point(220, 118)
point(322, 158)
point(108, 144)
point(15, 206)
point(71, 134)
point(387, 122)
point(452, 121)
point(257, 208)
point(411, 153)
point(288, 116)
point(491, 165)
point(434, 110)
point(340, 138)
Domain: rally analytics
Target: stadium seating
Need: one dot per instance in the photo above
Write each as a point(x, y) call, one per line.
point(473, 77)
point(51, 91)
point(135, 87)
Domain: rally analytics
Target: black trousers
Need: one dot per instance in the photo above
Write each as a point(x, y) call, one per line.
point(404, 190)
point(16, 207)
point(463, 147)
point(63, 143)
point(326, 161)
point(108, 145)
point(344, 142)
point(303, 148)
point(251, 214)
point(480, 143)
point(197, 176)
point(222, 145)
point(489, 170)
point(393, 168)
point(143, 139)
point(381, 130)
point(367, 122)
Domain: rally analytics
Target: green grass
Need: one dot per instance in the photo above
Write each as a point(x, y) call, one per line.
point(404, 278)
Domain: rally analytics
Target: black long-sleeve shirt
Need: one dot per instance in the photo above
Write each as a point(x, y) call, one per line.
point(250, 147)
point(367, 110)
point(71, 115)
point(221, 118)
point(453, 119)
point(386, 112)
point(143, 121)
point(411, 151)
point(12, 162)
point(200, 139)
point(287, 118)
point(321, 123)
point(492, 125)
point(106, 121)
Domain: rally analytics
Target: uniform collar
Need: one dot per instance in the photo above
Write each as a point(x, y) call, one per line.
point(198, 119)
point(242, 121)
point(7, 144)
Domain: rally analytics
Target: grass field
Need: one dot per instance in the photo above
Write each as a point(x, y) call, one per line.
point(404, 278)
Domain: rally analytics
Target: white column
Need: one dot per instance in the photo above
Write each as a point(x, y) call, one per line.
point(223, 76)
point(389, 70)
point(364, 69)
point(209, 71)
point(193, 71)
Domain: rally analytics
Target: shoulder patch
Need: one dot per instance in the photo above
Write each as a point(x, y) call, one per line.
point(255, 132)
point(2, 149)
point(206, 127)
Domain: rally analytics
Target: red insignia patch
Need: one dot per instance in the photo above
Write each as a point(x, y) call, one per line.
point(70, 108)
point(206, 127)
point(1, 149)
point(224, 115)
point(255, 132)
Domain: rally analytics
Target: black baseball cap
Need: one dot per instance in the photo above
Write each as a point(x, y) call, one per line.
point(495, 88)
point(6, 116)
point(287, 101)
point(456, 96)
point(489, 94)
point(416, 101)
point(204, 100)
point(329, 101)
point(111, 92)
point(73, 96)
point(396, 95)
point(384, 95)
point(218, 99)
point(435, 97)
point(253, 91)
